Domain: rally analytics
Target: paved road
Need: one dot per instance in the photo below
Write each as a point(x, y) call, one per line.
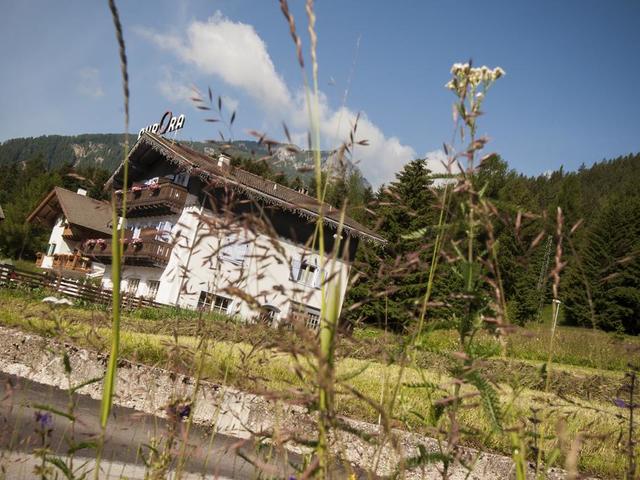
point(127, 431)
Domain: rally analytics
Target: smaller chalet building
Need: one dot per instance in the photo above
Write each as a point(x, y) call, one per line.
point(202, 234)
point(72, 218)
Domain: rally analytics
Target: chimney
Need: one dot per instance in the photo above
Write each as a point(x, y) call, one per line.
point(82, 191)
point(223, 161)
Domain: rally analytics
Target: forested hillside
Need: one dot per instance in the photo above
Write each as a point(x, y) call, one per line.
point(600, 283)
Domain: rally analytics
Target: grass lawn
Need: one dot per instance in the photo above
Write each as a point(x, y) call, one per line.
point(246, 357)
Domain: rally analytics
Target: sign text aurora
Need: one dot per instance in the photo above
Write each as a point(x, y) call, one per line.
point(168, 123)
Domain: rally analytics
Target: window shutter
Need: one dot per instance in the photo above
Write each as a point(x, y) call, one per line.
point(319, 277)
point(295, 268)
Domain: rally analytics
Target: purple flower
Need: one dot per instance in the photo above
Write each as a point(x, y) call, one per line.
point(45, 420)
point(179, 410)
point(618, 402)
point(184, 411)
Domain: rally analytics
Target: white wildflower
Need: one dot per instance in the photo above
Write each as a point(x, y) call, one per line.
point(459, 68)
point(475, 77)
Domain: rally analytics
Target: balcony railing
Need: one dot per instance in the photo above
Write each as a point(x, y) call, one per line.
point(161, 198)
point(67, 262)
point(149, 251)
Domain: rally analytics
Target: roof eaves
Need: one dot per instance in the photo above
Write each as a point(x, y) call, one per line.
point(164, 147)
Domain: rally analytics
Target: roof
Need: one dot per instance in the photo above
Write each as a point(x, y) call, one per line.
point(78, 209)
point(253, 185)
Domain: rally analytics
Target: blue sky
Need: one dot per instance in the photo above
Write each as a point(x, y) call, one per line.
point(569, 96)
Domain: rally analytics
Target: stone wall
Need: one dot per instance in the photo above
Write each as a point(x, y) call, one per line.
point(149, 389)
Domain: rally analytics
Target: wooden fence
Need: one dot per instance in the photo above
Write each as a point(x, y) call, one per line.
point(76, 289)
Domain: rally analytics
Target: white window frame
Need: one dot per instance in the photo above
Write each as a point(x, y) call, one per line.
point(300, 270)
point(214, 303)
point(51, 249)
point(206, 302)
point(310, 315)
point(219, 308)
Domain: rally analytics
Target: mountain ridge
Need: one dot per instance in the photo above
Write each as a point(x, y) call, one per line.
point(106, 150)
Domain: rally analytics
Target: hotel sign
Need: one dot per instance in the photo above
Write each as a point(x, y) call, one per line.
point(168, 123)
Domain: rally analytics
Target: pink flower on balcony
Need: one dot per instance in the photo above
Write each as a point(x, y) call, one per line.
point(154, 186)
point(136, 188)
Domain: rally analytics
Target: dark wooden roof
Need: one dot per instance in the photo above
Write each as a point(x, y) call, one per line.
point(79, 210)
point(198, 163)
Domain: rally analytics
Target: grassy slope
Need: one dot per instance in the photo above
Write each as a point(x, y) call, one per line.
point(241, 364)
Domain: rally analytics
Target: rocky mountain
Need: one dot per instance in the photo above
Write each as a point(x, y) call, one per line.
point(106, 150)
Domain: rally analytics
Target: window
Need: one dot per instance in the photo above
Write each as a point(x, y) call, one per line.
point(152, 289)
point(51, 248)
point(305, 272)
point(305, 315)
point(132, 286)
point(211, 302)
point(221, 304)
point(269, 314)
point(181, 179)
point(205, 300)
point(164, 230)
point(234, 249)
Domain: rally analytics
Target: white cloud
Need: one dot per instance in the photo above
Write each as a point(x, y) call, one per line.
point(89, 83)
point(438, 163)
point(234, 52)
point(173, 89)
point(379, 160)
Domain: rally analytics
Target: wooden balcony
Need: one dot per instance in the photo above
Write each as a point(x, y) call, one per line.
point(162, 198)
point(148, 252)
point(68, 262)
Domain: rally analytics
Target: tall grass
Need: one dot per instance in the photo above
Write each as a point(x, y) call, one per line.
point(462, 387)
point(117, 243)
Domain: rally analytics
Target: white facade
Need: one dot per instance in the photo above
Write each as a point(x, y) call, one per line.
point(217, 265)
point(58, 245)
